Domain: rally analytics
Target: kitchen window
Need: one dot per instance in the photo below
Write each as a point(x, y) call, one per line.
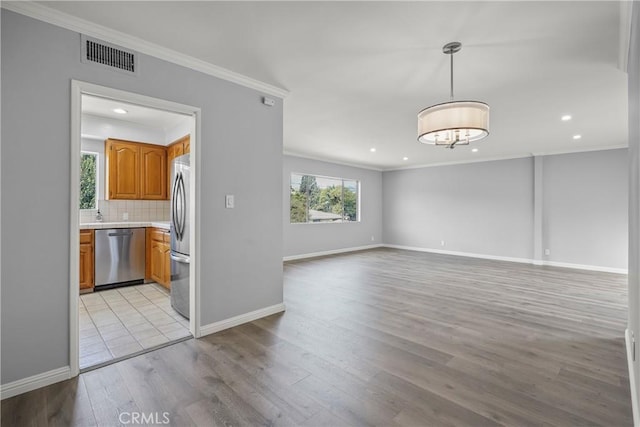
point(319, 199)
point(88, 179)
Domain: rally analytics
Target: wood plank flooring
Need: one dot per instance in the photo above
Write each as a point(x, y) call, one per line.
point(382, 337)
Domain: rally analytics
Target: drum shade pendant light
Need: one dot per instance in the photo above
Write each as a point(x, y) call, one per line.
point(455, 122)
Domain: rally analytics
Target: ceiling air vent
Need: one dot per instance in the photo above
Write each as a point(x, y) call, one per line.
point(98, 52)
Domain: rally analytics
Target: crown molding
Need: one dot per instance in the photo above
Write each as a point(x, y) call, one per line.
point(64, 20)
point(584, 150)
point(332, 161)
point(460, 162)
point(508, 157)
point(456, 162)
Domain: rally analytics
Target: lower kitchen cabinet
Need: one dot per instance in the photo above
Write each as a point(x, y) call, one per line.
point(86, 261)
point(158, 259)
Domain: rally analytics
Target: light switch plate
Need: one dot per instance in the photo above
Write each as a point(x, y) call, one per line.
point(229, 201)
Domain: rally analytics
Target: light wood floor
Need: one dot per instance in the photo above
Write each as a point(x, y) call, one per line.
point(382, 337)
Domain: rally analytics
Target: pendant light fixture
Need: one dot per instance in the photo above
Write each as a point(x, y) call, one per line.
point(455, 122)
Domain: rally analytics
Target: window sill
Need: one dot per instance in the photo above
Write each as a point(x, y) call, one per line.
point(325, 223)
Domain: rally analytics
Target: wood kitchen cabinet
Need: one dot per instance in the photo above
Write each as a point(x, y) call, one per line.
point(135, 171)
point(186, 144)
point(153, 172)
point(123, 169)
point(174, 150)
point(158, 265)
point(177, 148)
point(86, 261)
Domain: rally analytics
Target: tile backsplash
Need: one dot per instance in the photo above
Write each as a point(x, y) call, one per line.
point(138, 210)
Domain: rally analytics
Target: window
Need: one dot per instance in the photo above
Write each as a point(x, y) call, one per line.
point(88, 180)
point(322, 199)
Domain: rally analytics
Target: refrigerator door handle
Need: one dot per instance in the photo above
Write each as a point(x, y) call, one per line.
point(174, 207)
point(180, 258)
point(173, 204)
point(183, 207)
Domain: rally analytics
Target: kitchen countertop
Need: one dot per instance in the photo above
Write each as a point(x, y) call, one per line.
point(124, 224)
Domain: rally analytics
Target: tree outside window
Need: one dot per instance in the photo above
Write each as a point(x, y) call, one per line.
point(322, 199)
point(88, 181)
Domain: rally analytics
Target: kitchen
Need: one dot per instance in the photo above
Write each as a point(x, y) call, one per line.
point(134, 232)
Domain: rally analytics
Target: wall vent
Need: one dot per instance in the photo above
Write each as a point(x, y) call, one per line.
point(106, 54)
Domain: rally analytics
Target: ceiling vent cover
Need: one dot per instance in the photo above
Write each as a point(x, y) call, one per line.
point(106, 54)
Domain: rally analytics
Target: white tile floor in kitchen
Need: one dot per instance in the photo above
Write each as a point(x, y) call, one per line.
point(125, 321)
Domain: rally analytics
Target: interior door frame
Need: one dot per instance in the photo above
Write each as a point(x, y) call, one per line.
point(78, 88)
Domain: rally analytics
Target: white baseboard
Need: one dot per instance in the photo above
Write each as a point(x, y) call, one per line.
point(456, 253)
point(331, 252)
point(586, 267)
point(512, 259)
point(36, 381)
point(632, 378)
point(212, 328)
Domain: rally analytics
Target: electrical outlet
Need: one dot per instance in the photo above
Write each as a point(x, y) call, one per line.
point(547, 252)
point(229, 201)
point(441, 242)
point(373, 238)
point(125, 216)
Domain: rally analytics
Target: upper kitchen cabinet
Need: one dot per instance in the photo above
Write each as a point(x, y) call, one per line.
point(153, 172)
point(174, 150)
point(135, 171)
point(177, 148)
point(186, 144)
point(123, 169)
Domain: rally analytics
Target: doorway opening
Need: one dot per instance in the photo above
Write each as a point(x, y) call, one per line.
point(134, 273)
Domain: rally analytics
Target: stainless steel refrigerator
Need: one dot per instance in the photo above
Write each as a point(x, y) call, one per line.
point(179, 224)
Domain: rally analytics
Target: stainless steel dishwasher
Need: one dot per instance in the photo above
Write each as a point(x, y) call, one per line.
point(120, 256)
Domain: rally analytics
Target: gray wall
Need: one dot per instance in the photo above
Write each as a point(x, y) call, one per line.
point(585, 209)
point(241, 255)
point(489, 208)
point(634, 183)
point(484, 208)
point(302, 239)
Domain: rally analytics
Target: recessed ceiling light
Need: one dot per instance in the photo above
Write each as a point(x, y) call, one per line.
point(120, 111)
point(577, 136)
point(373, 150)
point(474, 150)
point(565, 118)
point(405, 158)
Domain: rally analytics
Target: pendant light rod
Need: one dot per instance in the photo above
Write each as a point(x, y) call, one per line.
point(450, 49)
point(451, 55)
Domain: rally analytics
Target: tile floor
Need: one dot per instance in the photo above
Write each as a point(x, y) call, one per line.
point(123, 321)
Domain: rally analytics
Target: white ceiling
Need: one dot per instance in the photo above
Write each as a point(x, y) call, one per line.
point(149, 117)
point(145, 116)
point(359, 72)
